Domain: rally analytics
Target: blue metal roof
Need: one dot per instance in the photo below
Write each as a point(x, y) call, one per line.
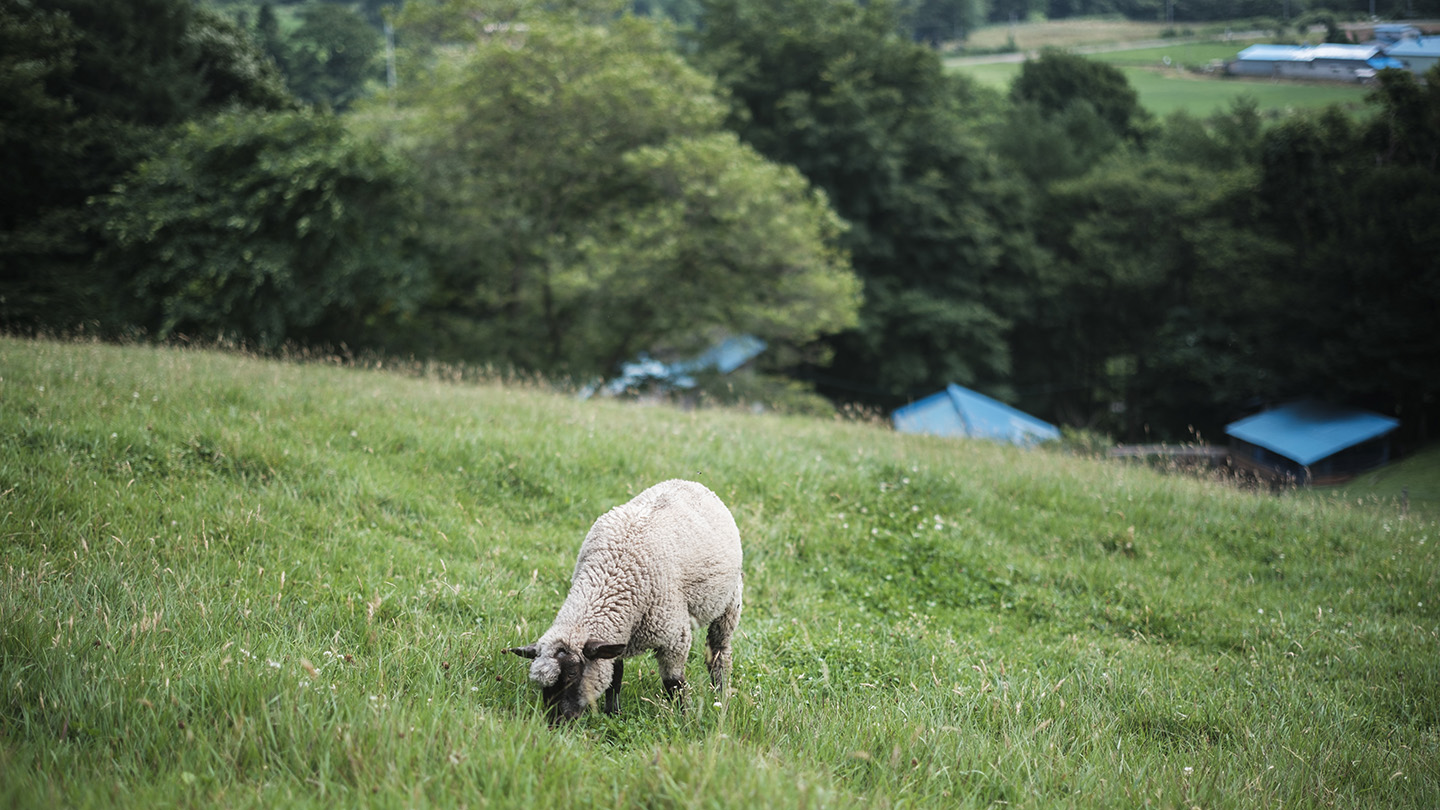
point(1307, 53)
point(961, 412)
point(1271, 53)
point(1308, 430)
point(1426, 46)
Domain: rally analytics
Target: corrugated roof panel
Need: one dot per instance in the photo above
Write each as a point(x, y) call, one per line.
point(1428, 46)
point(1304, 53)
point(1307, 431)
point(960, 412)
point(1271, 53)
point(934, 415)
point(1331, 50)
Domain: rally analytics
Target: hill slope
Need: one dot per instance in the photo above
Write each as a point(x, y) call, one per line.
point(230, 582)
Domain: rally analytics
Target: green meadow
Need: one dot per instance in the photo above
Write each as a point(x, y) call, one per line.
point(1164, 89)
point(234, 582)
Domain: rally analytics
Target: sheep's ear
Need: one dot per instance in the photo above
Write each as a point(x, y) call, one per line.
point(528, 651)
point(596, 650)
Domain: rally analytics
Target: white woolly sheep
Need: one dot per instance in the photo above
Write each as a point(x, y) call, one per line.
point(646, 571)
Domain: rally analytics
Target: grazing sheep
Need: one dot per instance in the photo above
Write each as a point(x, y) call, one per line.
point(646, 570)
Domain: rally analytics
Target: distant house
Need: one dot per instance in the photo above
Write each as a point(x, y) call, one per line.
point(1347, 63)
point(1311, 442)
point(962, 413)
point(1391, 33)
point(1416, 55)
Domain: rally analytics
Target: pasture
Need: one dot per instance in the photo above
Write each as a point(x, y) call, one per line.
point(236, 582)
point(1067, 33)
point(1165, 89)
point(1139, 51)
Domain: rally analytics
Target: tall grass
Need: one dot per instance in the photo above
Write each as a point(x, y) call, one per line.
point(234, 582)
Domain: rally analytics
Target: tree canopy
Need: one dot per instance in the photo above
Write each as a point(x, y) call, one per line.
point(587, 204)
point(98, 84)
point(874, 121)
point(266, 229)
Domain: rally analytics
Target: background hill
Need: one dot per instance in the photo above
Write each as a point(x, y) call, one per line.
point(233, 582)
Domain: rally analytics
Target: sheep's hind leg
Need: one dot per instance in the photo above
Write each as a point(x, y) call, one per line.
point(717, 646)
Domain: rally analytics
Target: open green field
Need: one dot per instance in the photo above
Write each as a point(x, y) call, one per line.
point(229, 582)
point(1164, 90)
point(1069, 33)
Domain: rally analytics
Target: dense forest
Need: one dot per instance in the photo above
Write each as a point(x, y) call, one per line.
point(555, 187)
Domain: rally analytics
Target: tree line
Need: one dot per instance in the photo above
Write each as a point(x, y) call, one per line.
point(556, 187)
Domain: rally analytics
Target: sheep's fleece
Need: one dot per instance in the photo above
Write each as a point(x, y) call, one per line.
point(646, 570)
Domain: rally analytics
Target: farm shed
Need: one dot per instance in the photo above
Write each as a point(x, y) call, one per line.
point(1416, 55)
point(1327, 62)
point(1311, 442)
point(1391, 33)
point(962, 413)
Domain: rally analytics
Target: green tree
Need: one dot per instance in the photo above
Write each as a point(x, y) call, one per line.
point(267, 228)
point(586, 205)
point(268, 36)
point(331, 55)
point(1056, 81)
point(937, 231)
point(1155, 272)
point(936, 22)
point(1049, 146)
point(1355, 201)
point(97, 85)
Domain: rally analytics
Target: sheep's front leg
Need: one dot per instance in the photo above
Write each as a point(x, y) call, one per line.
point(612, 694)
point(672, 665)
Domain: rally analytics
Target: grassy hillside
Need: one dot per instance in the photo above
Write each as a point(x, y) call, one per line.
point(1412, 483)
point(236, 583)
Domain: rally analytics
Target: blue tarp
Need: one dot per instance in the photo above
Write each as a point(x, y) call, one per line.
point(724, 357)
point(1307, 431)
point(964, 413)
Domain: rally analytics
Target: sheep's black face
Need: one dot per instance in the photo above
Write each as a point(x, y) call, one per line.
point(563, 699)
point(570, 679)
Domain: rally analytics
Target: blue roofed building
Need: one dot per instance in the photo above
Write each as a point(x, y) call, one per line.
point(1391, 33)
point(960, 412)
point(1330, 62)
point(1416, 55)
point(1311, 442)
